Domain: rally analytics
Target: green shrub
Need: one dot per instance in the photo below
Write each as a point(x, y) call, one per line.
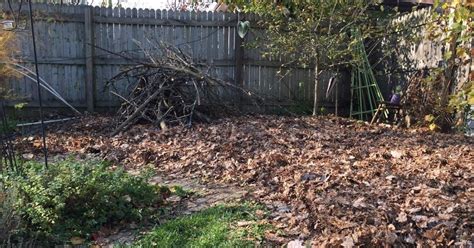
point(8, 221)
point(77, 198)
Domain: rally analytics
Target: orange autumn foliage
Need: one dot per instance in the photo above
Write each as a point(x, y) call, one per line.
point(6, 51)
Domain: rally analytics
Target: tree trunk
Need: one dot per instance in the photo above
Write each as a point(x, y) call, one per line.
point(449, 82)
point(337, 99)
point(316, 83)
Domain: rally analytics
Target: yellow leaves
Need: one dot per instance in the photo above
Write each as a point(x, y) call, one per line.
point(469, 92)
point(6, 43)
point(447, 55)
point(463, 97)
point(433, 127)
point(461, 52)
point(470, 98)
point(429, 118)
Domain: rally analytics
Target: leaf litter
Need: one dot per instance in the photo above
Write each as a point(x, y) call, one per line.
point(328, 181)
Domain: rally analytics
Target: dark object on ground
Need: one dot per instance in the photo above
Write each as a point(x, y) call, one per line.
point(395, 99)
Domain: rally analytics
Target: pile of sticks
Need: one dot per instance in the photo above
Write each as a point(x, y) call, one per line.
point(169, 89)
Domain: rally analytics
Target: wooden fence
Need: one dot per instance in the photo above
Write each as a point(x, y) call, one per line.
point(68, 38)
point(412, 55)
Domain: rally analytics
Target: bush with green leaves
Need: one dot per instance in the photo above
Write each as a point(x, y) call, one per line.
point(77, 198)
point(8, 220)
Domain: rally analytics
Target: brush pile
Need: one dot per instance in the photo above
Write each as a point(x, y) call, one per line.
point(170, 89)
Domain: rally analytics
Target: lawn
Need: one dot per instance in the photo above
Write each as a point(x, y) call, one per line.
point(220, 226)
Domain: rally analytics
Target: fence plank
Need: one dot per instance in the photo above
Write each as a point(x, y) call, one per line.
point(239, 60)
point(203, 42)
point(89, 48)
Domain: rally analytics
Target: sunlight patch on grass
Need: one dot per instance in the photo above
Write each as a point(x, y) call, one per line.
point(215, 227)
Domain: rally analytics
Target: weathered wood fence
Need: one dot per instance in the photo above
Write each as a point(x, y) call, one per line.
point(69, 38)
point(409, 56)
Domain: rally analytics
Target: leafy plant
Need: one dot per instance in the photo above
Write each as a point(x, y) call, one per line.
point(315, 32)
point(77, 198)
point(10, 126)
point(446, 94)
point(453, 26)
point(8, 220)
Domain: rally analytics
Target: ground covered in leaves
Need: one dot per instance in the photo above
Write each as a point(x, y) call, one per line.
point(327, 181)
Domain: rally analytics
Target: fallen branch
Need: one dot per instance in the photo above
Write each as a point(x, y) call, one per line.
point(136, 113)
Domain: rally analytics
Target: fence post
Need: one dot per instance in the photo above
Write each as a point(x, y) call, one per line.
point(239, 64)
point(89, 49)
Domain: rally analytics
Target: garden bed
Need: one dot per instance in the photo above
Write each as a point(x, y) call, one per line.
point(327, 180)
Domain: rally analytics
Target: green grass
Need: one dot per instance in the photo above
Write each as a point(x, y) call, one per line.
point(214, 227)
point(181, 192)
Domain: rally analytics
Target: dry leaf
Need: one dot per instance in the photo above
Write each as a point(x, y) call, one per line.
point(348, 242)
point(28, 156)
point(359, 203)
point(402, 217)
point(295, 244)
point(396, 154)
point(244, 223)
point(421, 220)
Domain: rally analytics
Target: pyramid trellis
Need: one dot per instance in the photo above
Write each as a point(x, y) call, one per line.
point(365, 92)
